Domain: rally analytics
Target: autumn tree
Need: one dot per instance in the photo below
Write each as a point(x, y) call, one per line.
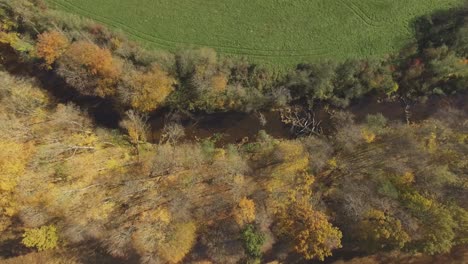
point(9, 34)
point(13, 160)
point(287, 172)
point(244, 212)
point(382, 231)
point(90, 69)
point(51, 45)
point(151, 231)
point(219, 82)
point(136, 126)
point(179, 242)
point(147, 91)
point(42, 238)
point(314, 237)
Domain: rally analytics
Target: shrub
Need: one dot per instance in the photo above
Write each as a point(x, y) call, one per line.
point(253, 241)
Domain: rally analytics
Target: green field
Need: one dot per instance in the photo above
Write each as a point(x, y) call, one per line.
point(273, 31)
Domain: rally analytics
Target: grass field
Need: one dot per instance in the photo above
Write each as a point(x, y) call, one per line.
point(273, 31)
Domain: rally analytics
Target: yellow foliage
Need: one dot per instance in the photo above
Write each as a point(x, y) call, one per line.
point(368, 136)
point(417, 202)
point(83, 139)
point(293, 159)
point(7, 24)
point(463, 138)
point(407, 178)
point(292, 167)
point(219, 83)
point(432, 143)
point(179, 242)
point(21, 98)
point(244, 212)
point(289, 150)
point(113, 164)
point(13, 160)
point(314, 237)
point(115, 43)
point(379, 230)
point(332, 163)
point(42, 238)
point(302, 188)
point(13, 39)
point(51, 45)
point(136, 127)
point(149, 90)
point(8, 38)
point(288, 177)
point(99, 212)
point(239, 180)
point(219, 154)
point(160, 214)
point(394, 89)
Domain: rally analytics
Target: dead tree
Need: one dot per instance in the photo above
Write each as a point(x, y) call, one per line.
point(302, 122)
point(172, 133)
point(407, 111)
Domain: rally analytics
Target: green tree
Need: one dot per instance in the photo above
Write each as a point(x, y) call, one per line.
point(253, 241)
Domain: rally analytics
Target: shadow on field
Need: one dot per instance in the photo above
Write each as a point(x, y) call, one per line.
point(440, 27)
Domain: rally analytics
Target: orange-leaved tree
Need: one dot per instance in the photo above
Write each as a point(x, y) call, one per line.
point(148, 90)
point(50, 46)
point(90, 69)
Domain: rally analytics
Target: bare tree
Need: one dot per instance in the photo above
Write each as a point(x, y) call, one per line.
point(172, 133)
point(302, 122)
point(261, 118)
point(137, 128)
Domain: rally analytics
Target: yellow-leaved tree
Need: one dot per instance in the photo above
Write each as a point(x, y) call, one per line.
point(244, 212)
point(179, 242)
point(379, 230)
point(42, 238)
point(314, 237)
point(13, 160)
point(148, 90)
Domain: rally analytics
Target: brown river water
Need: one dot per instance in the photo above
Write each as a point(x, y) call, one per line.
point(236, 127)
